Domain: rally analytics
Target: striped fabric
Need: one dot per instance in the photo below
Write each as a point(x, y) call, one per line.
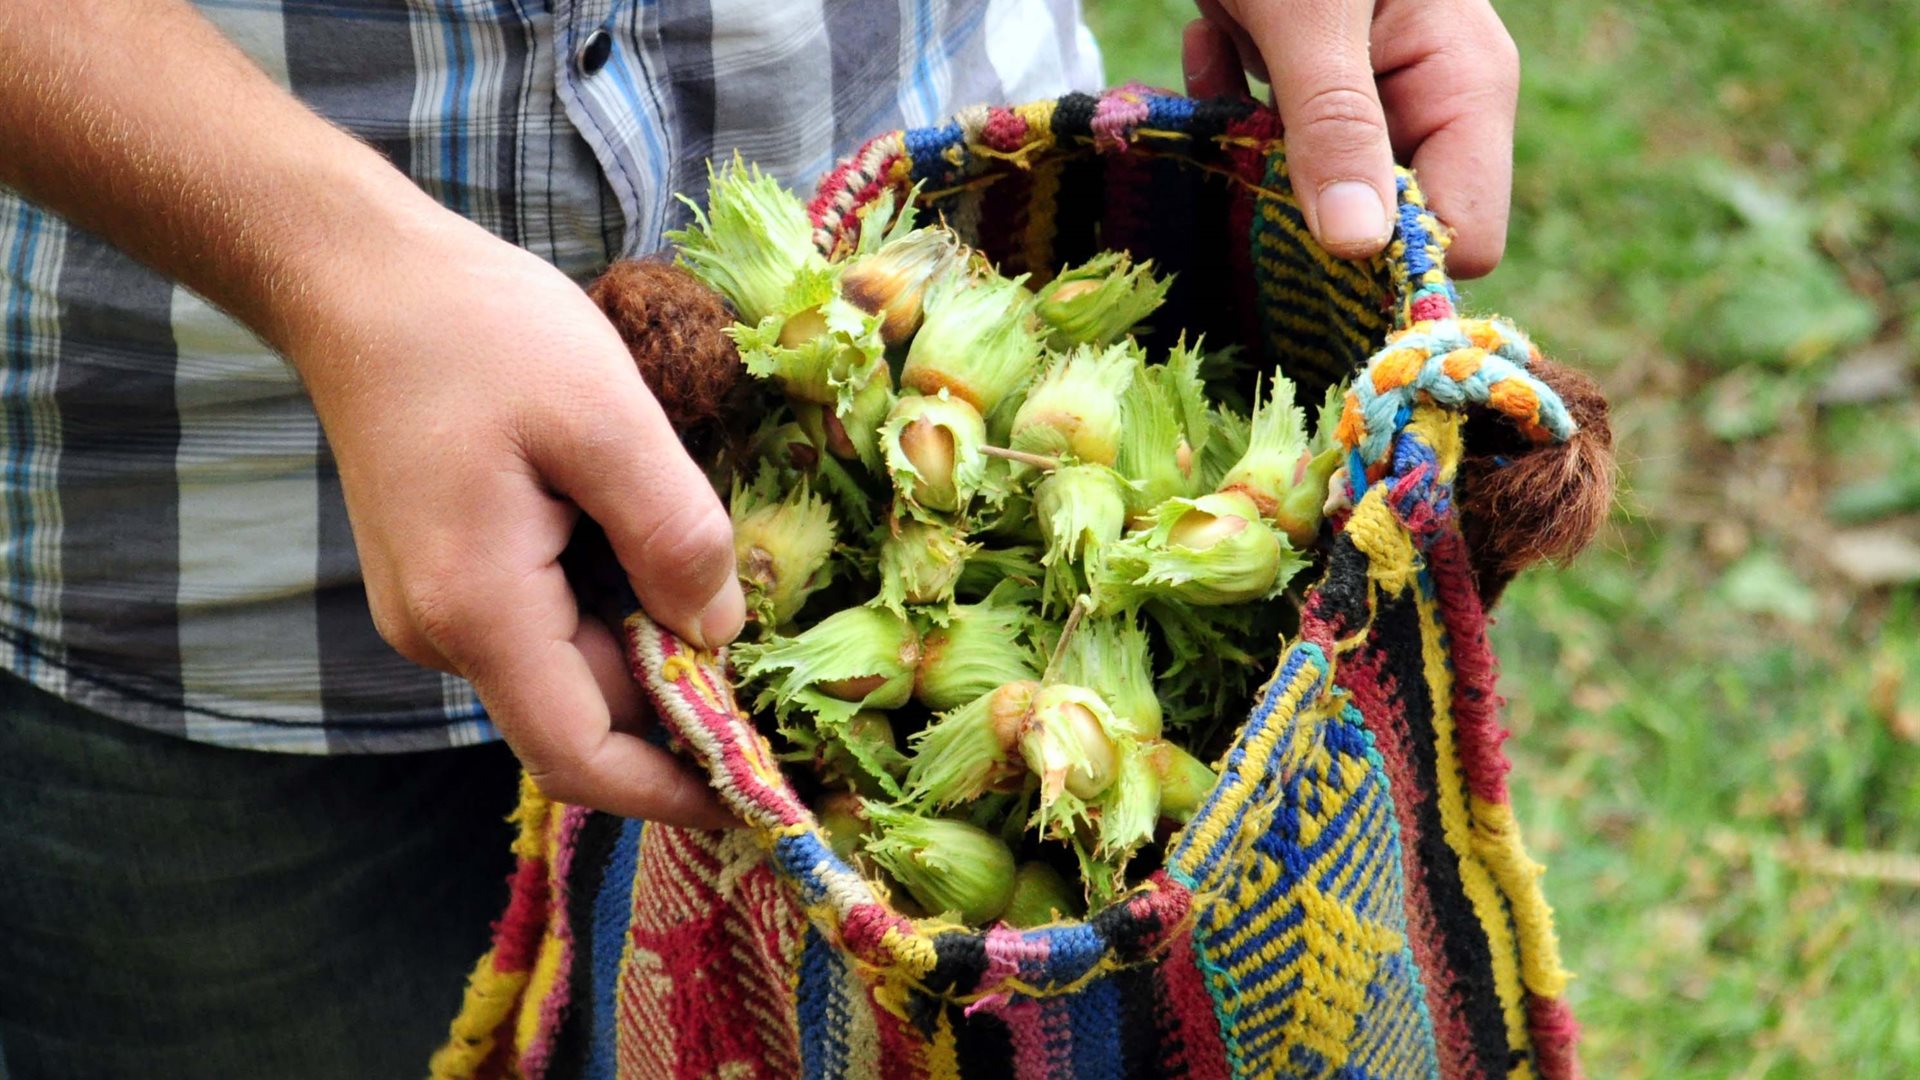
point(175, 548)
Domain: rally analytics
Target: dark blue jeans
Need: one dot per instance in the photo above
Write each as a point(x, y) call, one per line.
point(169, 909)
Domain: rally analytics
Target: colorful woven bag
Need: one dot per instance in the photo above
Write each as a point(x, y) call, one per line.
point(1353, 899)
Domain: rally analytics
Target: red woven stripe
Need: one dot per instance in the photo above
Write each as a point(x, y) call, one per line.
point(1555, 1035)
point(539, 1050)
point(1189, 1029)
point(1477, 730)
point(1250, 163)
point(1003, 220)
point(1362, 674)
point(902, 1050)
point(516, 937)
point(1005, 130)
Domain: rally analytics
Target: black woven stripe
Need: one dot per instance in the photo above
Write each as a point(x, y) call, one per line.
point(961, 961)
point(982, 1044)
point(1341, 597)
point(1079, 209)
point(1174, 228)
point(592, 851)
point(1128, 935)
point(1468, 957)
point(923, 1012)
point(1073, 116)
point(1139, 1034)
point(1212, 116)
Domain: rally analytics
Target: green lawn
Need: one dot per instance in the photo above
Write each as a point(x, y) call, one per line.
point(1717, 711)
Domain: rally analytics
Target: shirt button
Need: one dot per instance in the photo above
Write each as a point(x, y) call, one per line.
point(594, 52)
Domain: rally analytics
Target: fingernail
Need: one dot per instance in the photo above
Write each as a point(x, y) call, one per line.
point(723, 618)
point(1352, 217)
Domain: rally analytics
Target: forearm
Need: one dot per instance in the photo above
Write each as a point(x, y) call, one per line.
point(139, 121)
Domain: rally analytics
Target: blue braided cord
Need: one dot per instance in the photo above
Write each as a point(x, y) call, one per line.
point(1385, 414)
point(809, 863)
point(1411, 453)
point(1356, 477)
point(927, 147)
point(1169, 113)
point(1419, 242)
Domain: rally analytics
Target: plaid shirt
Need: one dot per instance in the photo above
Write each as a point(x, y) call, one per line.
point(176, 552)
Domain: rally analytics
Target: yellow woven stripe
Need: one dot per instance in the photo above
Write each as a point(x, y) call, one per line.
point(547, 962)
point(530, 842)
point(1356, 865)
point(1261, 872)
point(1310, 327)
point(1039, 118)
point(546, 975)
point(1391, 560)
point(1356, 278)
point(1489, 906)
point(1327, 918)
point(1341, 270)
point(1496, 839)
point(490, 996)
point(943, 1057)
point(914, 951)
point(1315, 317)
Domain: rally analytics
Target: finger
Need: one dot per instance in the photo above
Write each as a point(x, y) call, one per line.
point(541, 691)
point(627, 471)
point(1243, 46)
point(1338, 155)
point(1451, 109)
point(627, 707)
point(1211, 63)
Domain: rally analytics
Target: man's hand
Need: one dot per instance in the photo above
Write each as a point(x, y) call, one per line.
point(1359, 84)
point(476, 400)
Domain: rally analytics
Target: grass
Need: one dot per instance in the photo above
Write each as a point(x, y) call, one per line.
point(1716, 713)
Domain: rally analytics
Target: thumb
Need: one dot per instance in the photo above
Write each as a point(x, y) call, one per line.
point(666, 526)
point(1338, 154)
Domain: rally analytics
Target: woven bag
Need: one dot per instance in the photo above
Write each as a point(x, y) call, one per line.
point(1353, 899)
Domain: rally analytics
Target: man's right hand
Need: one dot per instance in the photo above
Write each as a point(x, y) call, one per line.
point(477, 402)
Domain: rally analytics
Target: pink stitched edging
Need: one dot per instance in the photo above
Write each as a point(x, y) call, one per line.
point(699, 706)
point(535, 1056)
point(1118, 114)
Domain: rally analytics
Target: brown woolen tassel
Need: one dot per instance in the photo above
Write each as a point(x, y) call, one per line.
point(1521, 503)
point(675, 327)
